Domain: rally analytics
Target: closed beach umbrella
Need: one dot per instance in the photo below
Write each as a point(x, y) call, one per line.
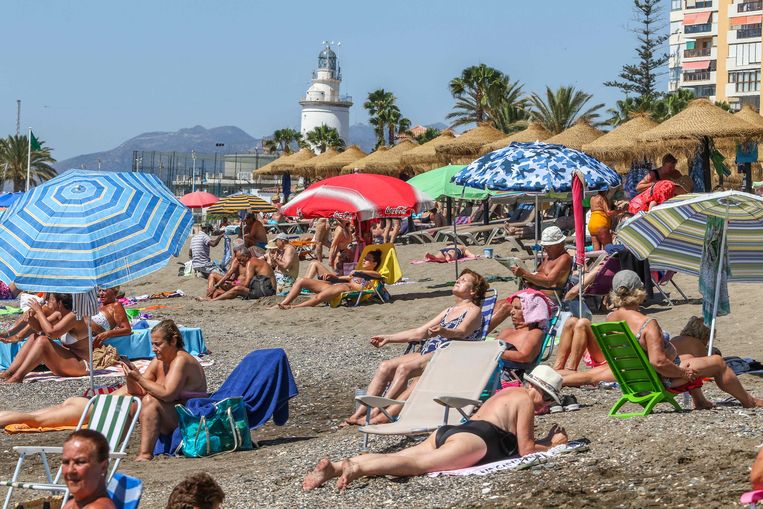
point(199, 200)
point(88, 229)
point(672, 236)
point(234, 203)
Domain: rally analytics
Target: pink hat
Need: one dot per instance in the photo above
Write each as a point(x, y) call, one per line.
point(536, 307)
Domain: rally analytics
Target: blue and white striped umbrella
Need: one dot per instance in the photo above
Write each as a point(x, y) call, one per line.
point(536, 168)
point(85, 229)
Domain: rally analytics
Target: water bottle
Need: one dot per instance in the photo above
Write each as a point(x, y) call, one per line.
point(686, 403)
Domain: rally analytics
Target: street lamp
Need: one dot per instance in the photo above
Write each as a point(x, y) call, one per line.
point(99, 163)
point(138, 160)
point(193, 174)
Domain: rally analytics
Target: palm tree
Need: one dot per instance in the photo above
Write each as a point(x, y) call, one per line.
point(395, 121)
point(562, 108)
point(282, 140)
point(624, 108)
point(378, 105)
point(13, 162)
point(428, 135)
point(472, 90)
point(324, 137)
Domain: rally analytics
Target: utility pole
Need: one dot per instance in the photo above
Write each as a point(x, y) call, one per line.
point(18, 117)
point(193, 174)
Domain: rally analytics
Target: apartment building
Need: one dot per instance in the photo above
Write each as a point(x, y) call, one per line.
point(715, 49)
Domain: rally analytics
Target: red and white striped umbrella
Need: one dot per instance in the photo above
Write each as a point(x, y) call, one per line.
point(366, 196)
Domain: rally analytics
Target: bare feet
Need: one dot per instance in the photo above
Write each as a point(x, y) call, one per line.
point(353, 420)
point(349, 473)
point(281, 305)
point(144, 457)
point(322, 472)
point(202, 299)
point(703, 405)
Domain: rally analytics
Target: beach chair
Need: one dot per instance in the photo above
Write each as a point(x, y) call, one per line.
point(630, 365)
point(660, 279)
point(390, 271)
point(751, 499)
point(125, 491)
point(474, 362)
point(110, 416)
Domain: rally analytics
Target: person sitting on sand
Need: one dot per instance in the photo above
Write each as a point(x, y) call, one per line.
point(199, 250)
point(462, 321)
point(84, 467)
point(450, 254)
point(283, 259)
point(256, 277)
point(679, 371)
point(502, 428)
point(217, 283)
point(330, 285)
point(54, 321)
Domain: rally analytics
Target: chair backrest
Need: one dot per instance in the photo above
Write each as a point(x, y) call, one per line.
point(473, 361)
point(110, 417)
point(627, 360)
point(390, 265)
point(488, 305)
point(463, 220)
point(125, 491)
point(602, 283)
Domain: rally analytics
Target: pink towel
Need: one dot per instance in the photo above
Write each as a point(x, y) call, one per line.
point(536, 307)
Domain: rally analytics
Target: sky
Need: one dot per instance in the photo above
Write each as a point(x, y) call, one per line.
point(92, 73)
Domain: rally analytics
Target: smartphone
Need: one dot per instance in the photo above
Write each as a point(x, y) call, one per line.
point(124, 359)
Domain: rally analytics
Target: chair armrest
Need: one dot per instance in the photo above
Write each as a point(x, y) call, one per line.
point(378, 401)
point(367, 277)
point(31, 449)
point(117, 455)
point(456, 402)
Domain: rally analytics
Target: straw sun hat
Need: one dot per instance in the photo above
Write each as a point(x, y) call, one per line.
point(547, 380)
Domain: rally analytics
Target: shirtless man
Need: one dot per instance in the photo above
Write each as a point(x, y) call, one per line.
point(667, 171)
point(256, 277)
point(173, 377)
point(283, 259)
point(552, 272)
point(255, 234)
point(504, 427)
point(217, 283)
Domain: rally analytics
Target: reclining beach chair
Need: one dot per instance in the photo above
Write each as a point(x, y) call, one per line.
point(472, 362)
point(389, 269)
point(660, 279)
point(630, 365)
point(110, 416)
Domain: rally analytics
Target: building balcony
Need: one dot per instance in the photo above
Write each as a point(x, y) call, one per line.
point(697, 52)
point(694, 76)
point(750, 6)
point(698, 29)
point(749, 32)
point(698, 5)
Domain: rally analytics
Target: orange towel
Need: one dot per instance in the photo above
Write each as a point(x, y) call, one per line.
point(23, 428)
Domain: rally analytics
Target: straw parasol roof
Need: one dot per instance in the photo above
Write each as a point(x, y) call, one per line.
point(425, 155)
point(582, 133)
point(333, 166)
point(621, 143)
point(268, 168)
point(307, 168)
point(534, 132)
point(467, 146)
point(389, 162)
point(360, 164)
point(286, 164)
point(748, 114)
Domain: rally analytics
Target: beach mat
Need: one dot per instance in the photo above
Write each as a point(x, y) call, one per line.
point(464, 259)
point(520, 463)
point(13, 429)
point(111, 372)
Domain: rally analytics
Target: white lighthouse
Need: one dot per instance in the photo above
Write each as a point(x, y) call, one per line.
point(322, 104)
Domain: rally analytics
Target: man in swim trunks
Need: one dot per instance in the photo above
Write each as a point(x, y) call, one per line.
point(449, 254)
point(255, 234)
point(256, 277)
point(503, 428)
point(283, 259)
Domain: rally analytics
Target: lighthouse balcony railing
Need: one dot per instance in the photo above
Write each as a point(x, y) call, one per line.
point(323, 97)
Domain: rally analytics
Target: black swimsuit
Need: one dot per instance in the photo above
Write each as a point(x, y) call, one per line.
point(501, 444)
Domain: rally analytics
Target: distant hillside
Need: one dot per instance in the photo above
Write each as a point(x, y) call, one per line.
point(185, 140)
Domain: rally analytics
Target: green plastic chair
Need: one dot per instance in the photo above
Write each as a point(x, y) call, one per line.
point(630, 365)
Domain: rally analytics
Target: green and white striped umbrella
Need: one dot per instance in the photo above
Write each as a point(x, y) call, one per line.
point(672, 235)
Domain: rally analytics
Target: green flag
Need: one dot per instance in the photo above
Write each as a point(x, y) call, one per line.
point(34, 142)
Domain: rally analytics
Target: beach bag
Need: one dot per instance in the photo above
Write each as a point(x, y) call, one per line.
point(105, 356)
point(225, 429)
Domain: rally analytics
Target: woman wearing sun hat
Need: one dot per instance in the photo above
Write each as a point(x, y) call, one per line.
point(502, 428)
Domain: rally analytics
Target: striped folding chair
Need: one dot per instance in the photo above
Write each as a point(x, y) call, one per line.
point(109, 415)
point(125, 491)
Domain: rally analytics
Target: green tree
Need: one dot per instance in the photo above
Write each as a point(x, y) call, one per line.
point(659, 109)
point(640, 79)
point(379, 105)
point(324, 137)
point(562, 108)
point(428, 135)
point(283, 140)
point(472, 92)
point(13, 162)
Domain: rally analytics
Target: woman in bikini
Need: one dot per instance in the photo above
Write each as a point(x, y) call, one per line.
point(329, 285)
point(449, 254)
point(502, 428)
point(462, 321)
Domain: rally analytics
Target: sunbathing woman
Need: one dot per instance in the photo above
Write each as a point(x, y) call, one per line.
point(461, 321)
point(678, 371)
point(450, 254)
point(503, 428)
point(330, 285)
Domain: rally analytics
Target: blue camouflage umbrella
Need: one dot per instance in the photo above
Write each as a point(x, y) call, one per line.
point(536, 168)
point(88, 229)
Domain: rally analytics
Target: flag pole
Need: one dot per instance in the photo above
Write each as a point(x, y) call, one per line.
point(28, 157)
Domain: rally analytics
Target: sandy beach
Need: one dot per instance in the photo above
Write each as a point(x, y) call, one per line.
point(689, 459)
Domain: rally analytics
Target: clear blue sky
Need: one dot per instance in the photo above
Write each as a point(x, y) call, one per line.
point(93, 73)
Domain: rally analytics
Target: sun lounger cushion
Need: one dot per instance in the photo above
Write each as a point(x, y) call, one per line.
point(138, 344)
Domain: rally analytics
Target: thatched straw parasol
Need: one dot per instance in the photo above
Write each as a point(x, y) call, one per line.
point(334, 166)
point(465, 148)
point(534, 132)
point(424, 157)
point(582, 133)
point(307, 168)
point(749, 115)
point(619, 147)
point(286, 164)
point(699, 122)
point(360, 164)
point(268, 168)
point(389, 162)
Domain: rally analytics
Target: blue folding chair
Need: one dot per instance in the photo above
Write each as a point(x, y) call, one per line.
point(125, 491)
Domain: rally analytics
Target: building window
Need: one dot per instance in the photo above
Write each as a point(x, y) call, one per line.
point(746, 81)
point(675, 5)
point(745, 54)
point(675, 74)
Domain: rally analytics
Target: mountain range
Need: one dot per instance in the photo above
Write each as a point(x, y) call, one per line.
point(196, 138)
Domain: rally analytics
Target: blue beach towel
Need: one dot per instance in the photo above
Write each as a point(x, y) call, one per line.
point(263, 378)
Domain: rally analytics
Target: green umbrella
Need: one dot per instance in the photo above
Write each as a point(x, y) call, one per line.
point(436, 184)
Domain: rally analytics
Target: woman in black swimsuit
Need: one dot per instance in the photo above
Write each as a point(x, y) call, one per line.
point(502, 428)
